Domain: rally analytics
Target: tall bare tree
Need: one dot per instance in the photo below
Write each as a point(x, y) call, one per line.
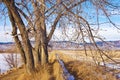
point(38, 19)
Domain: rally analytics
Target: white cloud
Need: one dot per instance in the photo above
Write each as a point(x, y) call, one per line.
point(5, 34)
point(106, 31)
point(5, 37)
point(110, 33)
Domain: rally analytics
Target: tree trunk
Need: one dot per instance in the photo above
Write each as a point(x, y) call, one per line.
point(44, 54)
point(44, 43)
point(37, 50)
point(41, 37)
point(15, 36)
point(24, 35)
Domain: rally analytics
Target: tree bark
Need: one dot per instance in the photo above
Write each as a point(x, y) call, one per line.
point(41, 38)
point(16, 39)
point(37, 53)
point(37, 50)
point(24, 35)
point(44, 43)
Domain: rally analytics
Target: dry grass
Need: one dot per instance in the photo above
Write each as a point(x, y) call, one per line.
point(81, 70)
point(80, 54)
point(42, 73)
point(51, 71)
point(13, 75)
point(57, 71)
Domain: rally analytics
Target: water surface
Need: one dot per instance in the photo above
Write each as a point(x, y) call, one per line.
point(3, 63)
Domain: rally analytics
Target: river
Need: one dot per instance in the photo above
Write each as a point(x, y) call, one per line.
point(4, 66)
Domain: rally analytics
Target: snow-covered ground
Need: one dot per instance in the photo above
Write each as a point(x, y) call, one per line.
point(113, 66)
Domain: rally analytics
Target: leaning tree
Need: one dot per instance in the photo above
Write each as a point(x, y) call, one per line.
point(37, 20)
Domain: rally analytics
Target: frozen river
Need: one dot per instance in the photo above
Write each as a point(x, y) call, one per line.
point(4, 66)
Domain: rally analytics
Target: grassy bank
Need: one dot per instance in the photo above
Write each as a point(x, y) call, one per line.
point(80, 69)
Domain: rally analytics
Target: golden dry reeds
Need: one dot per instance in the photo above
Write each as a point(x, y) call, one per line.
point(81, 70)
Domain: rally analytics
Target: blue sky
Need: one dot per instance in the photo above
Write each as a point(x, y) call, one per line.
point(107, 31)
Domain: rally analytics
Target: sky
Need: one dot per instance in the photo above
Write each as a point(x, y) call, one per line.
point(5, 34)
point(109, 33)
point(106, 31)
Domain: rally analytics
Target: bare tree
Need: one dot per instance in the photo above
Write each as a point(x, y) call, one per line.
point(38, 19)
point(12, 60)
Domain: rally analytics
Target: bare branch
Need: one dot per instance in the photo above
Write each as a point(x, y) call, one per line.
point(16, 38)
point(59, 16)
point(54, 26)
point(26, 17)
